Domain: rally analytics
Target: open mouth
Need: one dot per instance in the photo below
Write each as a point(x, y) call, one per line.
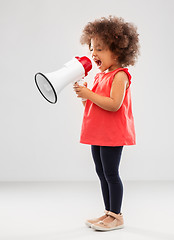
point(98, 62)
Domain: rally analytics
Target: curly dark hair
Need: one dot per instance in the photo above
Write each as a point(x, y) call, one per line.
point(119, 36)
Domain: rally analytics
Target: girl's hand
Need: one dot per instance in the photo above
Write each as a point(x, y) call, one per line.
point(82, 91)
point(85, 84)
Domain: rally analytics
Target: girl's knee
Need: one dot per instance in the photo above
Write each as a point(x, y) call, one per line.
point(112, 177)
point(100, 173)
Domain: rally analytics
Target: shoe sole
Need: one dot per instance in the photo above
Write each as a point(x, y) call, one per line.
point(106, 229)
point(88, 224)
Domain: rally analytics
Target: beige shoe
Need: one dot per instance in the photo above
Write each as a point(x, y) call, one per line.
point(95, 220)
point(117, 223)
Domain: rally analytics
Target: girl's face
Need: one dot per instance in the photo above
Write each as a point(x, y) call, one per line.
point(102, 56)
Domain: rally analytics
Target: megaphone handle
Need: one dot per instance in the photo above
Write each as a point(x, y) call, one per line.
point(81, 82)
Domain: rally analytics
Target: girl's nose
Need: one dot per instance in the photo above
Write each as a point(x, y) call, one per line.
point(93, 53)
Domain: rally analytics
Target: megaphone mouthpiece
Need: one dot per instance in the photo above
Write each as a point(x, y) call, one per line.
point(86, 62)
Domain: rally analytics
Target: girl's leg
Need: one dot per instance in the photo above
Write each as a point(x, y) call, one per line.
point(99, 170)
point(110, 157)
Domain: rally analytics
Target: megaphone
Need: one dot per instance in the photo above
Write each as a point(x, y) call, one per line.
point(51, 84)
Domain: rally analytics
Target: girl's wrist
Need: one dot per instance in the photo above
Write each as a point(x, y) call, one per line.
point(91, 95)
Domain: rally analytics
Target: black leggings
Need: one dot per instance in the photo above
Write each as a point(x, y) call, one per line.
point(107, 161)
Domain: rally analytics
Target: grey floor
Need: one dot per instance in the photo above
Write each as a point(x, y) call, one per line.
point(55, 210)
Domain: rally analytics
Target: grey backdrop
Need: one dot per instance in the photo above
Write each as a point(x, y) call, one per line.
point(40, 141)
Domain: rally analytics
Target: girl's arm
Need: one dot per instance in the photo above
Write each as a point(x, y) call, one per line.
point(117, 94)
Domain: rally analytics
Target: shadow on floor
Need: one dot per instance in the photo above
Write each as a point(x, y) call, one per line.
point(149, 233)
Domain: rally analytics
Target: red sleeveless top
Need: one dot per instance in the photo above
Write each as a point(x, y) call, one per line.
point(106, 128)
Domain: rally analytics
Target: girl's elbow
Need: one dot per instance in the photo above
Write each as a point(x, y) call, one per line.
point(115, 108)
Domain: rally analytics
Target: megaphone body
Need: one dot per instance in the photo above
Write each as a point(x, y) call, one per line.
point(51, 84)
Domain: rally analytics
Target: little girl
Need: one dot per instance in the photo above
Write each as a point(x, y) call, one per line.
point(108, 122)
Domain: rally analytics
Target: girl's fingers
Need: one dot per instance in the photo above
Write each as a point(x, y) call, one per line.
point(76, 84)
point(77, 90)
point(77, 87)
point(85, 84)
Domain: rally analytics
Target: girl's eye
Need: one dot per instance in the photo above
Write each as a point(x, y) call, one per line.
point(98, 49)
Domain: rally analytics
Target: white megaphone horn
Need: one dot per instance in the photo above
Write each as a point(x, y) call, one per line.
point(51, 84)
